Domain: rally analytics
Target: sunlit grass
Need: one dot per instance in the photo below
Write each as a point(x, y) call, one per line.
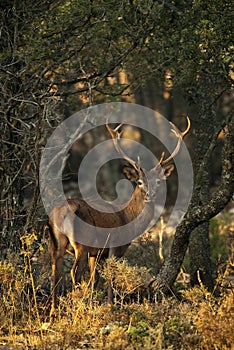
point(198, 320)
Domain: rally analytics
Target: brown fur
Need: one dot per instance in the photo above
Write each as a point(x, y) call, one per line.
point(141, 205)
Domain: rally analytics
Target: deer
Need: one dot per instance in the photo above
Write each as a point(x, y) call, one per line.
point(146, 183)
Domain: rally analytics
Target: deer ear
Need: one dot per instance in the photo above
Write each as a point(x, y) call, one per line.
point(166, 171)
point(130, 173)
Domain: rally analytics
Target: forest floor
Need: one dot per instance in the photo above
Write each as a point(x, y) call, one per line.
point(190, 318)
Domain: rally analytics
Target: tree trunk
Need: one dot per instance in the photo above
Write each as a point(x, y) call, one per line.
point(198, 214)
point(199, 246)
point(200, 261)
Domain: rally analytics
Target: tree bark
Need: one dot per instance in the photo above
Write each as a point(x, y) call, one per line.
point(200, 258)
point(198, 214)
point(199, 244)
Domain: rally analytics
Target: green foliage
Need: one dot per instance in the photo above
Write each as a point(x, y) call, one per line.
point(70, 41)
point(139, 331)
point(196, 43)
point(173, 327)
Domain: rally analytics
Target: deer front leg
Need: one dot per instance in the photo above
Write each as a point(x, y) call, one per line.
point(57, 251)
point(57, 257)
point(94, 274)
point(56, 269)
point(79, 265)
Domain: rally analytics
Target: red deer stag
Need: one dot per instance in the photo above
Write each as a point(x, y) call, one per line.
point(141, 201)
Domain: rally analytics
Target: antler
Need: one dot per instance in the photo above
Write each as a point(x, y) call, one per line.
point(180, 136)
point(116, 135)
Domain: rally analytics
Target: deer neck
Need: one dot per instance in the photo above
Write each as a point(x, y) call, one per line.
point(137, 205)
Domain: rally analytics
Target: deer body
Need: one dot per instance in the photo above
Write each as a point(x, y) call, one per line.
point(60, 243)
point(140, 206)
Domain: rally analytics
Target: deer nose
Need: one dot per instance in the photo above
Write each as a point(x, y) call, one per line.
point(149, 195)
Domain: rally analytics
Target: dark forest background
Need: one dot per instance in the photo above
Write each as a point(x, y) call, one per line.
point(58, 57)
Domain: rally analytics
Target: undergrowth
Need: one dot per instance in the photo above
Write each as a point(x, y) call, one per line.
point(197, 320)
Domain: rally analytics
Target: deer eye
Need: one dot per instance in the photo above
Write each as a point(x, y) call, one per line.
point(140, 182)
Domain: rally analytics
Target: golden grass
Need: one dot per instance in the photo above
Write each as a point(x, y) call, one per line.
point(201, 320)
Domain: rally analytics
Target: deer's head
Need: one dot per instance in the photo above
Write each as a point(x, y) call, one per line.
point(148, 181)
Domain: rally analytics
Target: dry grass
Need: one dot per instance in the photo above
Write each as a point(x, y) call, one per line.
point(84, 320)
